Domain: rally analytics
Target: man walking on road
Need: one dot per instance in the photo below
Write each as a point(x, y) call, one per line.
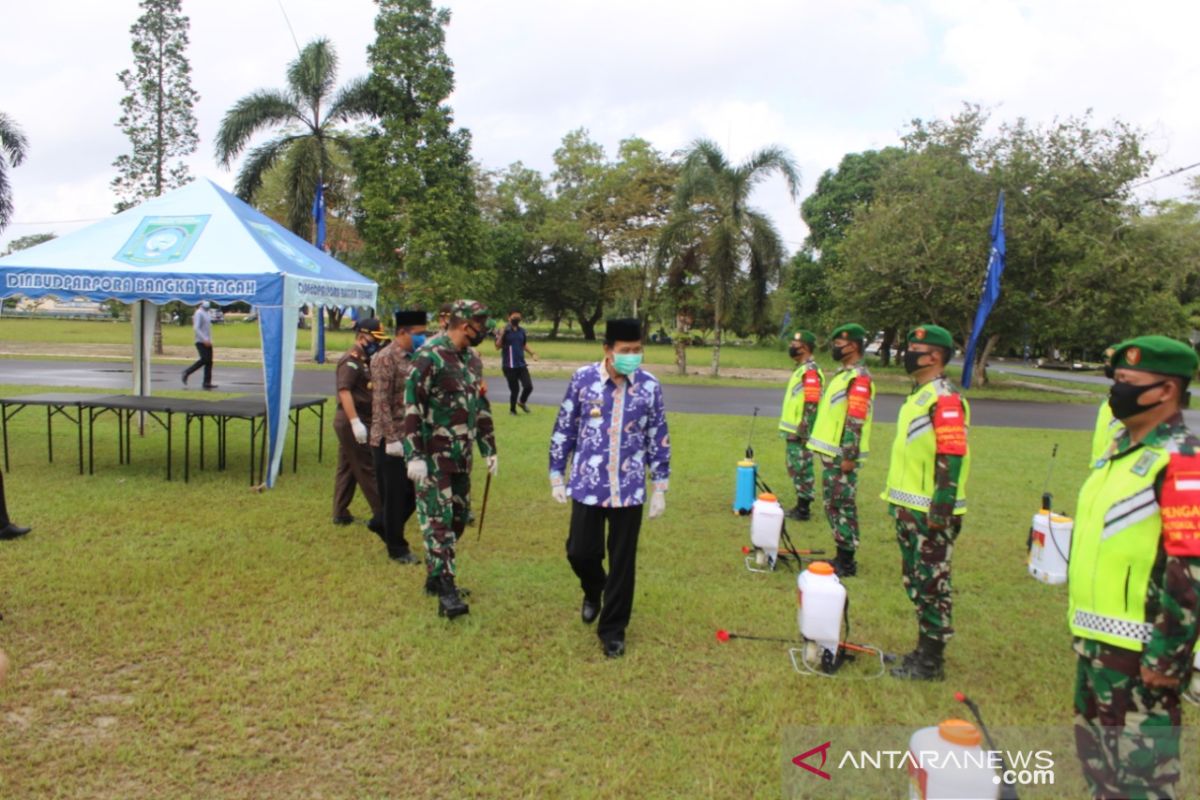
point(202, 327)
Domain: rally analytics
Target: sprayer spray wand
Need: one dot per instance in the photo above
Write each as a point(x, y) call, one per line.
point(1009, 791)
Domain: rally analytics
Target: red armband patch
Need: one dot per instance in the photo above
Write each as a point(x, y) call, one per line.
point(859, 402)
point(812, 386)
point(950, 426)
point(1180, 506)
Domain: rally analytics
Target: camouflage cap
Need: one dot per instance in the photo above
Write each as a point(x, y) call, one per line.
point(469, 309)
point(1159, 354)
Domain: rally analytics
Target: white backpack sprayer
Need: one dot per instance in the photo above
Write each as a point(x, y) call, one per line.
point(1049, 543)
point(753, 496)
point(947, 761)
point(822, 617)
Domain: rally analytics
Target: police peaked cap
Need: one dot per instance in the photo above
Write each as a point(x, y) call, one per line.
point(372, 326)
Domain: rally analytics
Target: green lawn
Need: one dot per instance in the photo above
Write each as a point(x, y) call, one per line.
point(201, 640)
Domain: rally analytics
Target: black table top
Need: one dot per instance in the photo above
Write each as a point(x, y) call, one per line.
point(57, 399)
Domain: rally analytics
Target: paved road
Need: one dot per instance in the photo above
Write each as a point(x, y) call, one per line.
point(692, 399)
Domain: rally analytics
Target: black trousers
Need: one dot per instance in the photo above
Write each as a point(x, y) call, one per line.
point(398, 496)
point(518, 378)
point(585, 551)
point(205, 361)
point(355, 467)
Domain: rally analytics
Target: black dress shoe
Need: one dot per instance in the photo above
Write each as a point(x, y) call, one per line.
point(344, 519)
point(614, 648)
point(404, 558)
point(589, 611)
point(209, 386)
point(375, 526)
point(185, 377)
point(524, 408)
point(13, 531)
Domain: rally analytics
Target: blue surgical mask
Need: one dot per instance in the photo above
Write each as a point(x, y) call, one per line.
point(418, 339)
point(627, 363)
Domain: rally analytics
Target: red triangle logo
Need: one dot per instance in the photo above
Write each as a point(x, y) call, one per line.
point(823, 749)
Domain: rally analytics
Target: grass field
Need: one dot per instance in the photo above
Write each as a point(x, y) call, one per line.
point(201, 640)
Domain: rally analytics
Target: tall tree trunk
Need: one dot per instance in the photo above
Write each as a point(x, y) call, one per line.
point(979, 370)
point(681, 354)
point(158, 340)
point(557, 321)
point(716, 358)
point(885, 349)
point(588, 328)
point(333, 318)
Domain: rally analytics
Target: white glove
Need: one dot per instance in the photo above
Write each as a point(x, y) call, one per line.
point(395, 449)
point(418, 470)
point(493, 464)
point(559, 493)
point(658, 504)
point(360, 430)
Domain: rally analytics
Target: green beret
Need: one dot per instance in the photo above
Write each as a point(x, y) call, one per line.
point(931, 334)
point(852, 331)
point(805, 337)
point(469, 309)
point(1159, 354)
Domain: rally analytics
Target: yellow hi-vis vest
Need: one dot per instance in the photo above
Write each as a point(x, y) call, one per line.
point(826, 437)
point(802, 388)
point(910, 479)
point(1107, 429)
point(1118, 526)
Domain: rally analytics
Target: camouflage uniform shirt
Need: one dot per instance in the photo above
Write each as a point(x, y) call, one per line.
point(446, 407)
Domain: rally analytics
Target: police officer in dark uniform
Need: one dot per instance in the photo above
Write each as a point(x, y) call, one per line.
point(352, 424)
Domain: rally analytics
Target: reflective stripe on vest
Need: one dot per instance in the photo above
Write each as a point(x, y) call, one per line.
point(826, 435)
point(912, 471)
point(1114, 545)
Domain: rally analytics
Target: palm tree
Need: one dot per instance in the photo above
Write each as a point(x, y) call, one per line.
point(308, 110)
point(735, 240)
point(12, 152)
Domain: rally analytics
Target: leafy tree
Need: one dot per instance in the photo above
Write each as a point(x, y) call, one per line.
point(734, 241)
point(26, 242)
point(418, 215)
point(157, 112)
point(302, 153)
point(13, 146)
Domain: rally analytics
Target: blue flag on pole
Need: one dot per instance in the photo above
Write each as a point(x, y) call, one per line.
point(991, 289)
point(318, 317)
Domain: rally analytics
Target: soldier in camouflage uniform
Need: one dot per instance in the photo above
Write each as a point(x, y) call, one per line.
point(797, 418)
point(841, 437)
point(1134, 577)
point(926, 494)
point(446, 414)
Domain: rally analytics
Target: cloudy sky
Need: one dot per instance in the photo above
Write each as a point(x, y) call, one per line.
point(821, 78)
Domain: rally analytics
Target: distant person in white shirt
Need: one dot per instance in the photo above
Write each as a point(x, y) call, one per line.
point(202, 325)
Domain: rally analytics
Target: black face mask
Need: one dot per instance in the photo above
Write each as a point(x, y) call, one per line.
point(516, 322)
point(910, 361)
point(794, 352)
point(1123, 399)
point(477, 338)
point(838, 353)
point(372, 346)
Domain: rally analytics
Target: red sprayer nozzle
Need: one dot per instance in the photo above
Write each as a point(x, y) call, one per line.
point(960, 697)
point(745, 550)
point(722, 635)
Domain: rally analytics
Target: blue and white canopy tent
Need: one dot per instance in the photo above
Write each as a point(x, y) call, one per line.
point(196, 243)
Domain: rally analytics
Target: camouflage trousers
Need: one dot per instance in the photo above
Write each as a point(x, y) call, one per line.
point(1126, 733)
point(800, 468)
point(442, 504)
point(841, 505)
point(925, 566)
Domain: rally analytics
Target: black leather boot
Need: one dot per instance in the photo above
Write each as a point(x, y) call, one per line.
point(845, 566)
point(450, 604)
point(925, 664)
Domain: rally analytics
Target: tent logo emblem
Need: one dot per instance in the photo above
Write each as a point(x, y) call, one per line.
point(293, 255)
point(162, 240)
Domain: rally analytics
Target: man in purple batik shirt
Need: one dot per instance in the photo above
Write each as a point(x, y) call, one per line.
point(612, 427)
